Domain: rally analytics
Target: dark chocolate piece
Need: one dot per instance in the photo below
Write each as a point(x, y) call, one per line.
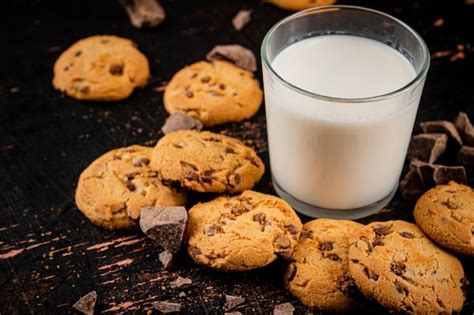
point(411, 186)
point(442, 126)
point(232, 301)
point(165, 257)
point(284, 309)
point(232, 313)
point(466, 155)
point(86, 304)
point(166, 307)
point(443, 174)
point(241, 19)
point(180, 121)
point(427, 147)
point(165, 225)
point(181, 282)
point(465, 128)
point(144, 13)
point(241, 56)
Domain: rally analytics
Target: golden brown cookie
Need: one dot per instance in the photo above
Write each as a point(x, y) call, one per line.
point(319, 274)
point(446, 214)
point(101, 68)
point(114, 188)
point(242, 232)
point(296, 5)
point(394, 263)
point(213, 92)
point(206, 162)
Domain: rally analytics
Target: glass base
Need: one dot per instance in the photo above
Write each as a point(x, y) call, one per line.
point(346, 214)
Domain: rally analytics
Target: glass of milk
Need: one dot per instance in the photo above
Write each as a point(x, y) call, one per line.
point(342, 87)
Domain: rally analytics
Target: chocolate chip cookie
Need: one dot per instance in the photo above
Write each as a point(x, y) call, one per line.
point(394, 263)
point(213, 92)
point(446, 214)
point(319, 274)
point(206, 162)
point(244, 232)
point(114, 188)
point(101, 68)
point(296, 5)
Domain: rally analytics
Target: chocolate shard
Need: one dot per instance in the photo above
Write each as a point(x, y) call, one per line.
point(232, 313)
point(466, 155)
point(166, 307)
point(241, 56)
point(181, 282)
point(144, 13)
point(86, 304)
point(165, 257)
point(165, 225)
point(427, 147)
point(180, 121)
point(443, 174)
point(284, 309)
point(411, 186)
point(241, 19)
point(442, 126)
point(232, 301)
point(465, 128)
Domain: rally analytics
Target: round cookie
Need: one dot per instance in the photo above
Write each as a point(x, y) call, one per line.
point(446, 214)
point(296, 5)
point(213, 92)
point(319, 274)
point(101, 68)
point(394, 263)
point(114, 188)
point(206, 162)
point(242, 232)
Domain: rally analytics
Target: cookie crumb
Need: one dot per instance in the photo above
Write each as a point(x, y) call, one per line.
point(284, 309)
point(181, 121)
point(86, 304)
point(241, 19)
point(166, 307)
point(181, 282)
point(241, 56)
point(165, 257)
point(144, 13)
point(232, 301)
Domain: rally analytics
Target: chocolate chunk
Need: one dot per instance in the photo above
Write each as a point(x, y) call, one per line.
point(232, 313)
point(77, 53)
point(180, 121)
point(284, 309)
point(465, 128)
point(241, 56)
point(325, 246)
point(442, 126)
point(191, 175)
point(397, 267)
point(292, 229)
point(86, 304)
point(165, 225)
point(194, 251)
point(166, 307)
point(252, 160)
point(291, 272)
point(283, 242)
point(377, 242)
point(232, 301)
point(401, 288)
point(382, 230)
point(241, 19)
point(165, 258)
point(189, 93)
point(406, 234)
point(116, 70)
point(144, 13)
point(411, 186)
point(443, 174)
point(211, 230)
point(333, 257)
point(181, 282)
point(205, 79)
point(370, 274)
point(140, 161)
point(260, 218)
point(427, 147)
point(306, 234)
point(466, 155)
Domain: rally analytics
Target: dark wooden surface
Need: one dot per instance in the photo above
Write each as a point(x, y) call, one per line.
point(50, 255)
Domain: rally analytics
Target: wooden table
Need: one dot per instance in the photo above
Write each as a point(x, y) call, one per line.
point(50, 255)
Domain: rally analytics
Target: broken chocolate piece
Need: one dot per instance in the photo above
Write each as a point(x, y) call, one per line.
point(443, 174)
point(325, 246)
point(144, 13)
point(165, 257)
point(181, 282)
point(180, 121)
point(411, 186)
point(241, 19)
point(466, 155)
point(116, 69)
point(232, 313)
point(284, 309)
point(166, 307)
point(165, 225)
point(232, 301)
point(283, 242)
point(241, 56)
point(465, 128)
point(442, 126)
point(86, 304)
point(427, 147)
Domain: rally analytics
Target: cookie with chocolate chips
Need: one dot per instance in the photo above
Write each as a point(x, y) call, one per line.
point(319, 274)
point(114, 188)
point(206, 162)
point(214, 92)
point(241, 233)
point(101, 68)
point(394, 263)
point(446, 214)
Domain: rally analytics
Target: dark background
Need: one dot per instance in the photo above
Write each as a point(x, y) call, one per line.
point(50, 255)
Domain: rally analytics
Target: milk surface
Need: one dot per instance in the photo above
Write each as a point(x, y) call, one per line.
point(331, 154)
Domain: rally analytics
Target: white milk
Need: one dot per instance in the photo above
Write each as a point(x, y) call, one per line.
point(339, 155)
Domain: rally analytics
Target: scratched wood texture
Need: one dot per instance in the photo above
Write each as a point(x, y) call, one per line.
point(50, 255)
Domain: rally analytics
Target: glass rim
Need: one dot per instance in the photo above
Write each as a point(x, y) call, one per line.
point(420, 75)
